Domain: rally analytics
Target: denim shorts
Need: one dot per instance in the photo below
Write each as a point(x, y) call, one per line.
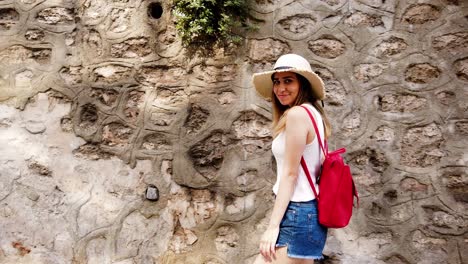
point(301, 232)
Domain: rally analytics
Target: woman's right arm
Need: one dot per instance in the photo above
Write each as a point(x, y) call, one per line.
point(296, 131)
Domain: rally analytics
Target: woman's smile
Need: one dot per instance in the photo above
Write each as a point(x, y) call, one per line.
point(283, 98)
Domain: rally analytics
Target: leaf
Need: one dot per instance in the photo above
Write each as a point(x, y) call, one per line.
point(205, 24)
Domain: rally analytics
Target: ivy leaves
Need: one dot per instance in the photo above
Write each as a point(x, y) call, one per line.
point(208, 24)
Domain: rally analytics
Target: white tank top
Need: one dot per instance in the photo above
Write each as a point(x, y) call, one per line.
point(302, 191)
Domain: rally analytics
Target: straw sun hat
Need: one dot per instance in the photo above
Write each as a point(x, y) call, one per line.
point(289, 63)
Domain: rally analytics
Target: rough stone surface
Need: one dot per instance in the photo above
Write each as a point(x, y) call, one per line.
point(401, 103)
point(366, 72)
point(131, 48)
point(421, 146)
point(362, 19)
point(454, 43)
point(267, 50)
point(421, 13)
point(327, 47)
point(421, 73)
point(99, 101)
point(8, 18)
point(390, 47)
point(297, 24)
point(55, 15)
point(461, 69)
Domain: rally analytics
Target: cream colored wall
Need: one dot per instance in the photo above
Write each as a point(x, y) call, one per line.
point(98, 101)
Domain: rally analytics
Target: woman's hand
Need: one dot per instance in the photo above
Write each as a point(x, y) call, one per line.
point(268, 243)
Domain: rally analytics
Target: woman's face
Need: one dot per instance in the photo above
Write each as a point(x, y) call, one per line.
point(286, 87)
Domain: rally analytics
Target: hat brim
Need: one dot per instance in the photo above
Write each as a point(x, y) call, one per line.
point(264, 85)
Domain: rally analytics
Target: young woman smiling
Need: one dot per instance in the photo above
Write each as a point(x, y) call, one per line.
point(294, 234)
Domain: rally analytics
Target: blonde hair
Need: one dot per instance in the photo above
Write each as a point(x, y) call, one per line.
point(305, 95)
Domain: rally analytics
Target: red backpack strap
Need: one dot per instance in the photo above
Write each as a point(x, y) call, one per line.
point(324, 149)
point(303, 163)
point(309, 178)
point(356, 195)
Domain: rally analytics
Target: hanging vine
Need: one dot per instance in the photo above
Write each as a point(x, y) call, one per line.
point(209, 24)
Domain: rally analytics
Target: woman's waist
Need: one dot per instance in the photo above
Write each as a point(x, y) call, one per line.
point(311, 203)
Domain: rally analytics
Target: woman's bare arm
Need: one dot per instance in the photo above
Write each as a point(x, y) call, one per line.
point(297, 128)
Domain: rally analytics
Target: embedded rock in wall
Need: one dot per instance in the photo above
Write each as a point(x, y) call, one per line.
point(361, 19)
point(55, 15)
point(421, 73)
point(267, 50)
point(366, 72)
point(326, 47)
point(390, 46)
point(101, 106)
point(461, 67)
point(421, 146)
point(401, 103)
point(298, 24)
point(9, 17)
point(455, 42)
point(421, 13)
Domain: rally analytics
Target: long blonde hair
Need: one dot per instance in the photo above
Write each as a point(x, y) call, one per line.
point(305, 95)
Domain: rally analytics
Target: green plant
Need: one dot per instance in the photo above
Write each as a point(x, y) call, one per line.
point(206, 24)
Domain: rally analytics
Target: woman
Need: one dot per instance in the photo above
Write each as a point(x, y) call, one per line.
point(294, 234)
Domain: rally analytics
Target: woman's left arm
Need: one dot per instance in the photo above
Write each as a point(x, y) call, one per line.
point(296, 131)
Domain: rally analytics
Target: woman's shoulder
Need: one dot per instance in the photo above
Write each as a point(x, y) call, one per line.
point(312, 109)
point(299, 109)
point(296, 113)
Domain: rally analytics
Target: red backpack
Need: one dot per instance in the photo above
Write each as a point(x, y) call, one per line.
point(337, 189)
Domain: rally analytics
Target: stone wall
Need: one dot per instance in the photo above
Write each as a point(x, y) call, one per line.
point(99, 103)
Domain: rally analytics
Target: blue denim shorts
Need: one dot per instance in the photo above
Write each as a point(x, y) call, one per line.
point(301, 232)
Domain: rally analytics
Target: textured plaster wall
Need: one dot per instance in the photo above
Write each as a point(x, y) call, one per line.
point(98, 102)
